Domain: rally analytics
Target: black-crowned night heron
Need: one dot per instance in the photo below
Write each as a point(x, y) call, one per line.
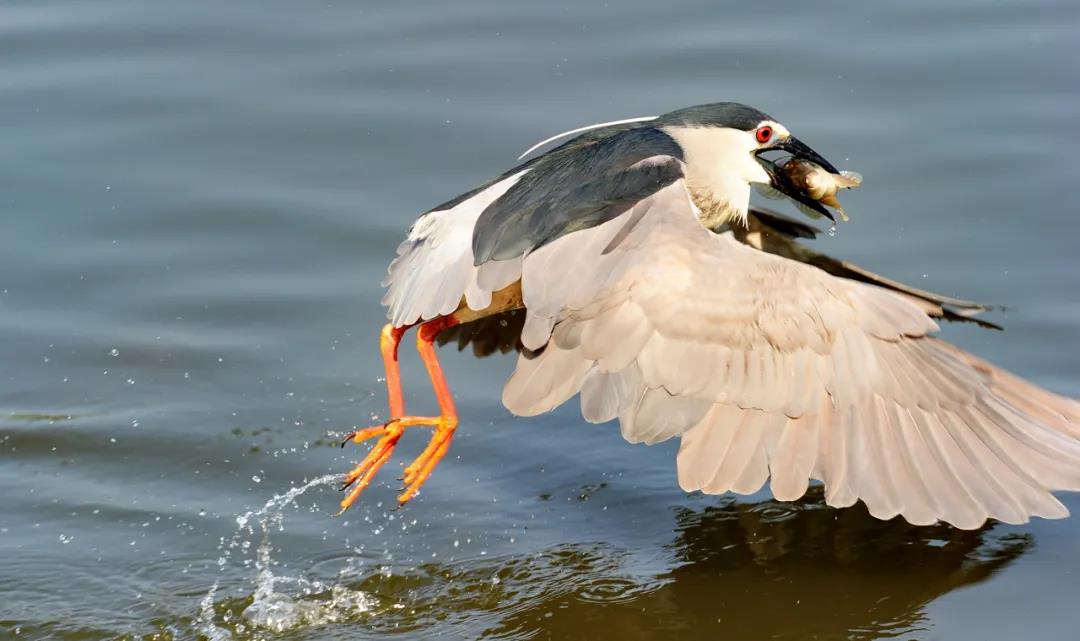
point(627, 267)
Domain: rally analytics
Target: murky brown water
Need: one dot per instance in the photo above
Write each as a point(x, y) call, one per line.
point(199, 201)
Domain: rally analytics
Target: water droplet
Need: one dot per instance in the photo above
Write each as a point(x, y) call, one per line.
point(256, 479)
point(832, 230)
point(114, 352)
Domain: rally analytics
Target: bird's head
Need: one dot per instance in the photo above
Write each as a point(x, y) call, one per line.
point(723, 147)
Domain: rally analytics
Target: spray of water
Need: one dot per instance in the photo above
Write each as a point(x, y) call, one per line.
point(312, 602)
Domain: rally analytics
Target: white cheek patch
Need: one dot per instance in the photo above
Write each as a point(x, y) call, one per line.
point(758, 175)
point(720, 166)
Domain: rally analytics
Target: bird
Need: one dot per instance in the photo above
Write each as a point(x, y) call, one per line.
point(627, 267)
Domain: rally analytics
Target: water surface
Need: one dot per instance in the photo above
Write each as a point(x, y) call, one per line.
point(200, 199)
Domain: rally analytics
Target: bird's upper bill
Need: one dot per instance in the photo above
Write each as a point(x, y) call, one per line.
point(791, 148)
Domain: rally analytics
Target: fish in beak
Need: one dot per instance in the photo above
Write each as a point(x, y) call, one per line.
point(807, 178)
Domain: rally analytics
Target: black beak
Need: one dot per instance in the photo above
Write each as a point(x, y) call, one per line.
point(801, 151)
point(780, 181)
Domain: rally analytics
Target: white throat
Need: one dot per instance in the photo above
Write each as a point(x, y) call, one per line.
point(719, 169)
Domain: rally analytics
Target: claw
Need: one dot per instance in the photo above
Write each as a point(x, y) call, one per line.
point(359, 436)
point(419, 470)
point(390, 434)
point(363, 473)
point(443, 432)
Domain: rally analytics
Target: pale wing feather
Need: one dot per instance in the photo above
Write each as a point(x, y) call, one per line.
point(616, 337)
point(545, 381)
point(793, 460)
point(919, 503)
point(768, 427)
point(659, 415)
point(707, 445)
point(606, 395)
point(434, 268)
point(765, 366)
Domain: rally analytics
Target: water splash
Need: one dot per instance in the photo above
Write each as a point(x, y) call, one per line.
point(313, 602)
point(205, 622)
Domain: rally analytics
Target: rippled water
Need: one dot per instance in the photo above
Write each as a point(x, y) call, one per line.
point(199, 200)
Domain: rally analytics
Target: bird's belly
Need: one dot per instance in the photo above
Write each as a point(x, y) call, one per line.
point(504, 300)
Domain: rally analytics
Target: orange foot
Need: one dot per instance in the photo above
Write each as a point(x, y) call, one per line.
point(390, 432)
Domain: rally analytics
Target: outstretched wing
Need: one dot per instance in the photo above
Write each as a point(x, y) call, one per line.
point(765, 366)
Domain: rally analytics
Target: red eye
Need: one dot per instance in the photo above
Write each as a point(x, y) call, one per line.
point(763, 134)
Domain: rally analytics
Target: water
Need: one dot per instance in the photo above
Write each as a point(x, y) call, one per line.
point(199, 201)
point(270, 608)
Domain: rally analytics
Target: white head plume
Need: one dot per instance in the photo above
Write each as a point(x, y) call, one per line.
point(582, 129)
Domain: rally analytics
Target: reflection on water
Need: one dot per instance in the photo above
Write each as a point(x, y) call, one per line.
point(768, 570)
point(804, 570)
point(774, 570)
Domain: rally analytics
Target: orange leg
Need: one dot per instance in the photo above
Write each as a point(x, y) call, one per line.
point(389, 339)
point(419, 470)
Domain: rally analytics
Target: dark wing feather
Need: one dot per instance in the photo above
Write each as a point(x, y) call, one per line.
point(775, 233)
point(584, 183)
point(775, 221)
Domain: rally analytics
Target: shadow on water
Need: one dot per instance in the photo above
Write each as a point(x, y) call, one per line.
point(766, 570)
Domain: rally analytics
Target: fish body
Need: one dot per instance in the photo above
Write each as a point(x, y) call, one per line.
point(814, 184)
point(819, 184)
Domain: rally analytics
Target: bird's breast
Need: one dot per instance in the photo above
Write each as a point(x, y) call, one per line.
point(715, 211)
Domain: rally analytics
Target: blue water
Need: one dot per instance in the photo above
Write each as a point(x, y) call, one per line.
point(198, 203)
